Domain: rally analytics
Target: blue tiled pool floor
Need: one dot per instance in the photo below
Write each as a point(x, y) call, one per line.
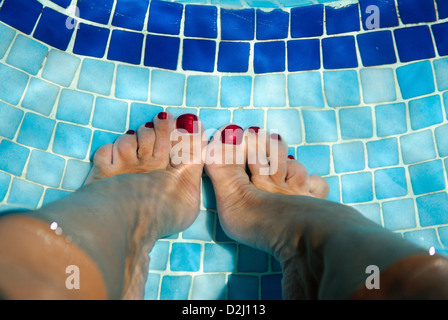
point(366, 109)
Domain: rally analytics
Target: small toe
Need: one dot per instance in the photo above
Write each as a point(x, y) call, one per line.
point(125, 149)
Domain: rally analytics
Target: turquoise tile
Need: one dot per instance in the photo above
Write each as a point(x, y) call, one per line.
point(175, 287)
point(399, 214)
point(110, 114)
point(246, 118)
point(13, 157)
point(270, 90)
point(185, 257)
point(378, 85)
point(315, 121)
point(315, 158)
point(202, 228)
point(219, 257)
point(371, 211)
point(202, 91)
point(159, 255)
point(443, 233)
point(432, 209)
point(27, 54)
point(427, 177)
point(287, 123)
point(445, 103)
point(132, 83)
point(75, 106)
point(341, 88)
point(390, 183)
point(441, 134)
point(167, 88)
point(25, 193)
point(348, 157)
point(305, 90)
point(333, 183)
point(141, 113)
point(209, 287)
point(390, 119)
point(75, 175)
point(36, 131)
point(12, 84)
point(52, 195)
point(425, 112)
point(356, 123)
point(45, 168)
point(424, 238)
point(60, 67)
point(40, 96)
point(5, 180)
point(152, 286)
point(235, 91)
point(7, 34)
point(213, 119)
point(415, 79)
point(441, 71)
point(417, 146)
point(71, 140)
point(10, 118)
point(382, 153)
point(96, 76)
point(357, 187)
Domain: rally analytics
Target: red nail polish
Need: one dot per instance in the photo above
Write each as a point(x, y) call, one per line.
point(254, 129)
point(162, 115)
point(275, 136)
point(232, 134)
point(149, 125)
point(291, 157)
point(130, 132)
point(188, 122)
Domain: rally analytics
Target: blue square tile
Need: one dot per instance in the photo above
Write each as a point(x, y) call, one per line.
point(132, 83)
point(252, 260)
point(341, 20)
point(287, 123)
point(390, 183)
point(305, 90)
point(348, 157)
point(271, 287)
point(60, 67)
point(441, 71)
point(441, 141)
point(219, 257)
point(7, 34)
point(303, 55)
point(334, 195)
point(198, 55)
point(440, 32)
point(235, 91)
point(13, 157)
point(25, 193)
point(371, 211)
point(432, 209)
point(52, 195)
point(202, 91)
point(12, 84)
point(246, 118)
point(339, 52)
point(167, 88)
point(376, 48)
point(159, 255)
point(101, 138)
point(71, 140)
point(415, 79)
point(270, 90)
point(162, 52)
point(269, 57)
point(95, 10)
point(356, 123)
point(130, 14)
point(417, 146)
point(75, 174)
point(96, 76)
point(425, 112)
point(185, 257)
point(414, 43)
point(415, 11)
point(75, 106)
point(165, 17)
point(125, 46)
point(307, 21)
point(388, 13)
point(445, 103)
point(315, 121)
point(399, 214)
point(152, 286)
point(110, 114)
point(27, 54)
point(442, 8)
point(202, 228)
point(175, 287)
point(5, 179)
point(10, 119)
point(237, 24)
point(91, 40)
point(341, 88)
point(315, 158)
point(62, 3)
point(45, 168)
point(272, 25)
point(141, 113)
point(21, 14)
point(209, 287)
point(390, 119)
point(233, 56)
point(424, 238)
point(213, 119)
point(382, 153)
point(378, 85)
point(201, 21)
point(443, 233)
point(242, 287)
point(357, 187)
point(427, 177)
point(40, 96)
point(52, 29)
point(36, 131)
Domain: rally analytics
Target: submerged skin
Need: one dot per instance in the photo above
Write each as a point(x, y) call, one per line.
point(135, 195)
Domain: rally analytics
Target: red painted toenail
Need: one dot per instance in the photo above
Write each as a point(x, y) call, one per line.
point(188, 122)
point(232, 134)
point(162, 115)
point(130, 132)
point(275, 136)
point(291, 157)
point(149, 125)
point(254, 129)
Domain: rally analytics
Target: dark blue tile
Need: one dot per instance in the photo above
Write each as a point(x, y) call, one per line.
point(387, 12)
point(307, 21)
point(21, 14)
point(442, 8)
point(415, 11)
point(339, 52)
point(52, 29)
point(237, 24)
point(62, 3)
point(272, 25)
point(233, 56)
point(164, 17)
point(376, 48)
point(414, 43)
point(440, 32)
point(303, 55)
point(91, 40)
point(243, 287)
point(162, 52)
point(95, 10)
point(345, 19)
point(269, 57)
point(271, 287)
point(201, 21)
point(130, 14)
point(199, 55)
point(125, 46)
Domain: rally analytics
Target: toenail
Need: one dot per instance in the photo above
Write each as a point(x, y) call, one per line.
point(149, 125)
point(290, 157)
point(275, 136)
point(130, 132)
point(254, 129)
point(188, 122)
point(232, 134)
point(162, 115)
